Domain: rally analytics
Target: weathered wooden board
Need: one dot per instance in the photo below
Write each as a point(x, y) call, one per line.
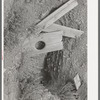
point(68, 32)
point(53, 42)
point(49, 20)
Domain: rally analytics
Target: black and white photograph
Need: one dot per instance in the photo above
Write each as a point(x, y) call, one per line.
point(45, 50)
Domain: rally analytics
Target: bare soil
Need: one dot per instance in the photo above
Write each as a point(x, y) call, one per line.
point(28, 77)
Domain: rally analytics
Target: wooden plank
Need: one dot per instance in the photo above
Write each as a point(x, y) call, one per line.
point(69, 32)
point(53, 42)
point(49, 48)
point(49, 20)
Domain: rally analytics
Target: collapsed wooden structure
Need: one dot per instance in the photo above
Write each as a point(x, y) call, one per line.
point(52, 36)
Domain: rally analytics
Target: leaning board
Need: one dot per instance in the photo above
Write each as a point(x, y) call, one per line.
point(68, 32)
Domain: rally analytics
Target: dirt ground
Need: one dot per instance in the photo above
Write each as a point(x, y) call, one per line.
point(50, 75)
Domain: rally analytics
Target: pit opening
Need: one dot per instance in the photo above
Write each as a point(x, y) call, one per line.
point(40, 45)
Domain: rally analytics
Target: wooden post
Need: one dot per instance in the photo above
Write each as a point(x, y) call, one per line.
point(49, 20)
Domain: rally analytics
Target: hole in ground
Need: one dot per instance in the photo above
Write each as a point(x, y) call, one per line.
point(40, 45)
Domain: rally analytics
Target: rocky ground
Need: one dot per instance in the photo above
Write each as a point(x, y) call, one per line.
point(48, 76)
